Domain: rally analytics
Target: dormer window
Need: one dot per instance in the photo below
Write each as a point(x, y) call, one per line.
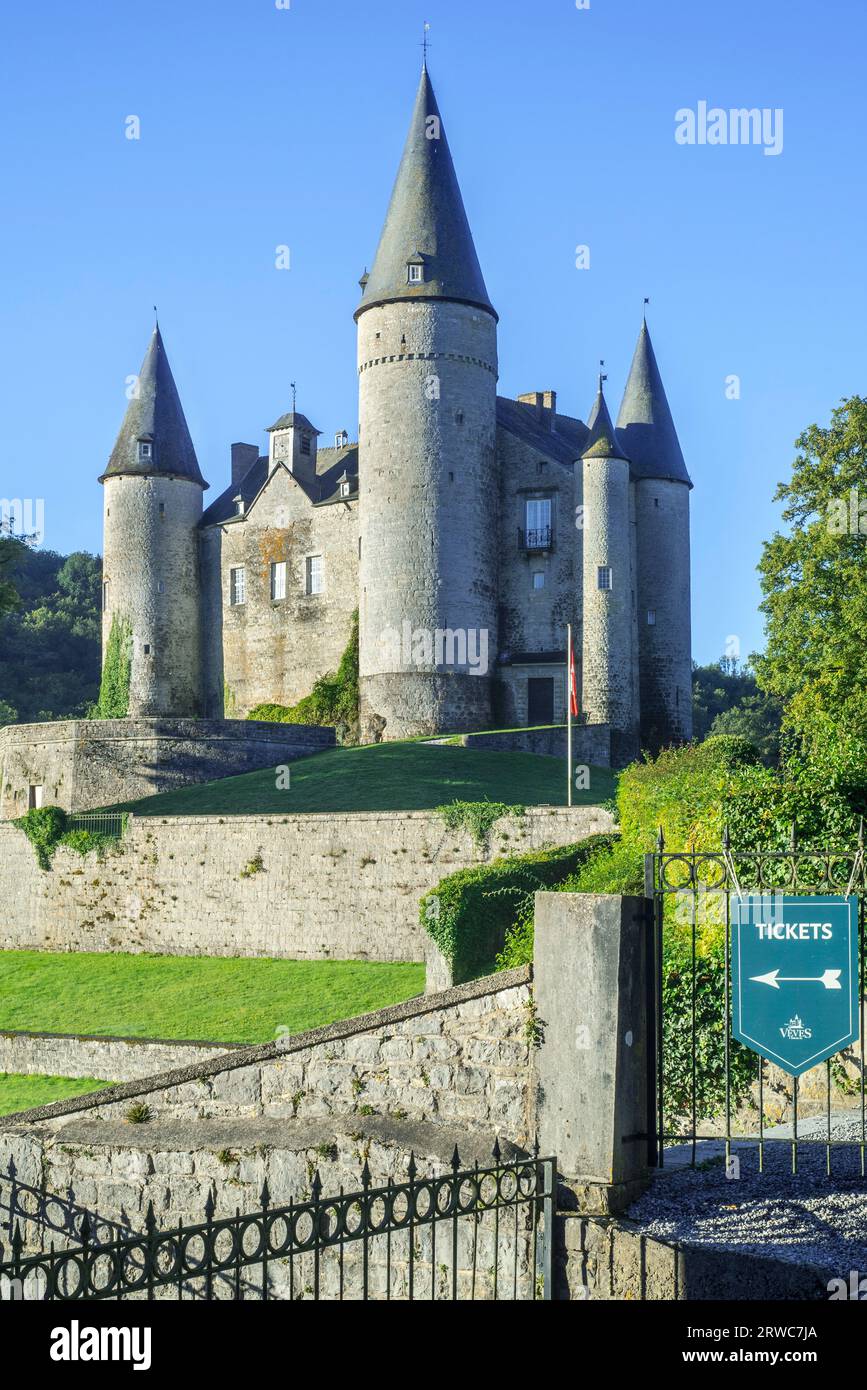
point(341, 439)
point(345, 487)
point(415, 273)
point(145, 451)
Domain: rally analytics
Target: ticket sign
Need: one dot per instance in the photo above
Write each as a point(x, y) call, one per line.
point(794, 977)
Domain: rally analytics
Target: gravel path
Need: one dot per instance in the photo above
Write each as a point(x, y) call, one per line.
point(807, 1219)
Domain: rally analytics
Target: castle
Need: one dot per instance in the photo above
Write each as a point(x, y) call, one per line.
point(467, 530)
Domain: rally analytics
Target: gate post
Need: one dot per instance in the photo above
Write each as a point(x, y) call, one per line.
point(591, 966)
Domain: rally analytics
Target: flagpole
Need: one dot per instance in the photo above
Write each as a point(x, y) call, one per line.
point(569, 714)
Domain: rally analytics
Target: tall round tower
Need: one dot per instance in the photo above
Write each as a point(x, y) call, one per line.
point(607, 671)
point(427, 362)
point(662, 488)
point(152, 506)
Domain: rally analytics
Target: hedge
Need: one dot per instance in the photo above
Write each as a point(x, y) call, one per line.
point(469, 913)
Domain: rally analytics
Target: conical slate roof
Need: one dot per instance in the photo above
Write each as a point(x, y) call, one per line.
point(155, 416)
point(645, 423)
point(603, 442)
point(426, 222)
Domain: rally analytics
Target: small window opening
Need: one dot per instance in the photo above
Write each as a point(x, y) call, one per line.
point(651, 617)
point(305, 443)
point(415, 274)
point(604, 577)
point(539, 579)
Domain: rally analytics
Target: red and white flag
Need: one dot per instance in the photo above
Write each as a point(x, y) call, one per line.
point(573, 682)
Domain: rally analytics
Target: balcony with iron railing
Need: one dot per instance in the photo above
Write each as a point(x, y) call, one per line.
point(539, 538)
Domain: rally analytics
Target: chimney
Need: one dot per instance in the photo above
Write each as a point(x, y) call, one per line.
point(243, 458)
point(542, 401)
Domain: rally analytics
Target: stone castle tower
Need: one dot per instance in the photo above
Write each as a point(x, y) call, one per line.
point(661, 488)
point(427, 363)
point(152, 507)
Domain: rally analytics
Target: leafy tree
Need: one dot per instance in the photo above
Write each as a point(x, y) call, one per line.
point(717, 688)
point(814, 582)
point(757, 719)
point(49, 642)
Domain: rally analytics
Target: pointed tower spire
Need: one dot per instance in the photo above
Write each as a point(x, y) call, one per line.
point(154, 440)
point(645, 422)
point(426, 249)
point(602, 441)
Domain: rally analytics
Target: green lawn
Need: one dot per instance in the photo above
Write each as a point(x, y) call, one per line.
point(26, 1092)
point(387, 777)
point(212, 999)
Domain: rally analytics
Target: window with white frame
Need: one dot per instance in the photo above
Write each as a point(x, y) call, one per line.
point(313, 583)
point(651, 617)
point(603, 577)
point(145, 450)
point(237, 586)
point(278, 580)
point(539, 579)
point(415, 274)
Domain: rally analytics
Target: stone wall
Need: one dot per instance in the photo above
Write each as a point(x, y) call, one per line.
point(107, 1059)
point(345, 887)
point(421, 1076)
point(84, 763)
point(591, 743)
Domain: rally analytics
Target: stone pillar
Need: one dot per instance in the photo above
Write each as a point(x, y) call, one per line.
point(591, 971)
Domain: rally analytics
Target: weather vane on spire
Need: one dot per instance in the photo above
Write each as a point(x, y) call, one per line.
point(425, 41)
point(646, 302)
point(603, 375)
point(294, 396)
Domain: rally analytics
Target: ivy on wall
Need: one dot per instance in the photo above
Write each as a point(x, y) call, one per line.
point(113, 702)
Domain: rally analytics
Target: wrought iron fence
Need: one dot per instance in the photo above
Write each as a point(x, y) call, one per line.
point(702, 1078)
point(537, 538)
point(468, 1234)
point(109, 823)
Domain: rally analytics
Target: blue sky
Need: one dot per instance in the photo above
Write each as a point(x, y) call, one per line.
point(263, 126)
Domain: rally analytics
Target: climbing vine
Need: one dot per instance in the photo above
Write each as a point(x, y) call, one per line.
point(113, 702)
point(48, 826)
point(333, 701)
point(478, 817)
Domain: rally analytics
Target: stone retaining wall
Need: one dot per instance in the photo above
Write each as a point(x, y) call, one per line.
point(83, 763)
point(109, 1059)
point(312, 887)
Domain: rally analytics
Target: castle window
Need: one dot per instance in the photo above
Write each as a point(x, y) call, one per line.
point(656, 501)
point(459, 418)
point(305, 443)
point(237, 586)
point(34, 797)
point(345, 487)
point(415, 274)
point(603, 578)
point(538, 533)
point(145, 450)
point(105, 595)
point(162, 508)
point(651, 617)
point(161, 588)
point(278, 581)
point(147, 648)
point(539, 579)
point(313, 576)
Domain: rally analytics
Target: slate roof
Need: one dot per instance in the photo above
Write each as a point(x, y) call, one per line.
point(426, 219)
point(645, 423)
point(293, 419)
point(602, 442)
point(156, 416)
point(564, 444)
point(331, 464)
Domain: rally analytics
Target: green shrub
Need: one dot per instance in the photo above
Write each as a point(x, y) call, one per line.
point(470, 912)
point(46, 828)
point(478, 817)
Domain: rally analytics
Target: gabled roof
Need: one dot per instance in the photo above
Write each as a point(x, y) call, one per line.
point(645, 423)
point(426, 221)
point(155, 416)
point(602, 442)
point(331, 464)
point(563, 444)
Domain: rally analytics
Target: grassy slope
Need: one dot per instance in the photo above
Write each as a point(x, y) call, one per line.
point(26, 1092)
point(218, 1000)
point(388, 777)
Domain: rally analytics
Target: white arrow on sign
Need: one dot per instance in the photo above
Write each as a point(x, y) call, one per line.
point(830, 979)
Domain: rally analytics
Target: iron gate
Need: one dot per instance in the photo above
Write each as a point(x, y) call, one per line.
point(468, 1234)
point(699, 1075)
